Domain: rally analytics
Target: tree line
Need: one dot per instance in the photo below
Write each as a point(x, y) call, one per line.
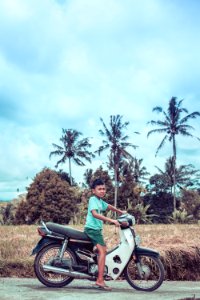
point(116, 142)
point(169, 195)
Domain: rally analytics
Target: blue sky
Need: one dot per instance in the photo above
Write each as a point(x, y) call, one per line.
point(65, 64)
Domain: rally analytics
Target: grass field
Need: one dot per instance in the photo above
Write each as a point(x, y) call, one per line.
point(179, 246)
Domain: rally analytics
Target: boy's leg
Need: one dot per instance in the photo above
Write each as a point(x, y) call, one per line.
point(101, 264)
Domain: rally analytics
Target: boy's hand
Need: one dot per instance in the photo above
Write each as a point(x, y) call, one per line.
point(116, 223)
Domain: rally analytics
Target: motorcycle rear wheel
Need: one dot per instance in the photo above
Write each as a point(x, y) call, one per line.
point(150, 276)
point(45, 256)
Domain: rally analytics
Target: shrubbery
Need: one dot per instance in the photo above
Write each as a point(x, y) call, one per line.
point(49, 198)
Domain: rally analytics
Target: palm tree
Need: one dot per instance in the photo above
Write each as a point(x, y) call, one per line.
point(137, 172)
point(186, 175)
point(72, 149)
point(88, 176)
point(168, 174)
point(116, 142)
point(172, 125)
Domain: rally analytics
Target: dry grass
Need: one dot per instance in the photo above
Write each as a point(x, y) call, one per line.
point(179, 246)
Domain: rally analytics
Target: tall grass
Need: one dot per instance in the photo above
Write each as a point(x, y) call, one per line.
point(178, 244)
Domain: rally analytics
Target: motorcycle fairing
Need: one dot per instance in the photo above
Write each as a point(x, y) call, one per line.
point(117, 259)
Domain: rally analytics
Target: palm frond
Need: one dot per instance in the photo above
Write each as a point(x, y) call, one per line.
point(157, 109)
point(159, 170)
point(184, 127)
point(78, 161)
point(185, 133)
point(158, 122)
point(61, 161)
point(159, 130)
point(57, 147)
point(193, 115)
point(161, 144)
point(107, 133)
point(56, 152)
point(102, 148)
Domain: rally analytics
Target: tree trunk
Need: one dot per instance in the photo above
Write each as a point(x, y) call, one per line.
point(70, 171)
point(174, 173)
point(116, 187)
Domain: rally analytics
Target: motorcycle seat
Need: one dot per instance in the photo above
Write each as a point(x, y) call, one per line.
point(67, 231)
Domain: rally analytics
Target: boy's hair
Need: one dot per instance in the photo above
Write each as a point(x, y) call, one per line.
point(97, 182)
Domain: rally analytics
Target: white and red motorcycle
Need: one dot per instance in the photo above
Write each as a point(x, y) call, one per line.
point(64, 254)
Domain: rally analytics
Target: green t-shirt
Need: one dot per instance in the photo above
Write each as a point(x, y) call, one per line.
point(99, 205)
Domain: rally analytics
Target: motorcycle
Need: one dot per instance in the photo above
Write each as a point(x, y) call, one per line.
point(64, 254)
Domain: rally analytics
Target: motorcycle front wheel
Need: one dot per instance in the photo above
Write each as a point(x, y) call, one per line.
point(46, 257)
point(145, 275)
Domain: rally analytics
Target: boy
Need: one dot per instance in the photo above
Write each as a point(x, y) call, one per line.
point(94, 225)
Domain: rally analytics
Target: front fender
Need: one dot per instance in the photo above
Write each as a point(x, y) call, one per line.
point(146, 251)
point(43, 242)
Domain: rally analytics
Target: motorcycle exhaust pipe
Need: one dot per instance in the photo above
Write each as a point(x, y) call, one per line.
point(73, 274)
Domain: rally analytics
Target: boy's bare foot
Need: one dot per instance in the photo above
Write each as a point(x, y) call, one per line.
point(102, 287)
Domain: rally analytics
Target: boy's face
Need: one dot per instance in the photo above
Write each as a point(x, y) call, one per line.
point(99, 191)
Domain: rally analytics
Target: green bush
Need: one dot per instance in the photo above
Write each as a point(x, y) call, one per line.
point(49, 198)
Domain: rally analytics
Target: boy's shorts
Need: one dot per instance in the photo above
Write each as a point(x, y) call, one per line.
point(95, 235)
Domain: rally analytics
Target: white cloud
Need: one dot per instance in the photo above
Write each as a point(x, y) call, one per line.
point(65, 64)
point(94, 15)
point(14, 10)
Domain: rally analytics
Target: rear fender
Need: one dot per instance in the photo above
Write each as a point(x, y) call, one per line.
point(43, 242)
point(145, 251)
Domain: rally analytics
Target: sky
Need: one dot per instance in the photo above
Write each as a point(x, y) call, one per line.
point(68, 63)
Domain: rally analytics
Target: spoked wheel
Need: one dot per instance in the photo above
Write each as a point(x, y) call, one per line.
point(46, 257)
point(147, 275)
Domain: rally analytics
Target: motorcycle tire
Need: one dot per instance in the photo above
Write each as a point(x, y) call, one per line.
point(150, 276)
point(45, 256)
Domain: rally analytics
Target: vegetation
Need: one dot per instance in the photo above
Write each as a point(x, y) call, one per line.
point(50, 198)
point(72, 149)
point(178, 245)
point(172, 125)
point(139, 172)
point(127, 180)
point(115, 141)
point(186, 177)
point(191, 203)
point(50, 194)
point(160, 206)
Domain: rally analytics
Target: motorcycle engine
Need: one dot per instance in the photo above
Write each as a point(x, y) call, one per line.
point(93, 270)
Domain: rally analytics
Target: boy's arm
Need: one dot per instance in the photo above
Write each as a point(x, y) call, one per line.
point(103, 218)
point(119, 211)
